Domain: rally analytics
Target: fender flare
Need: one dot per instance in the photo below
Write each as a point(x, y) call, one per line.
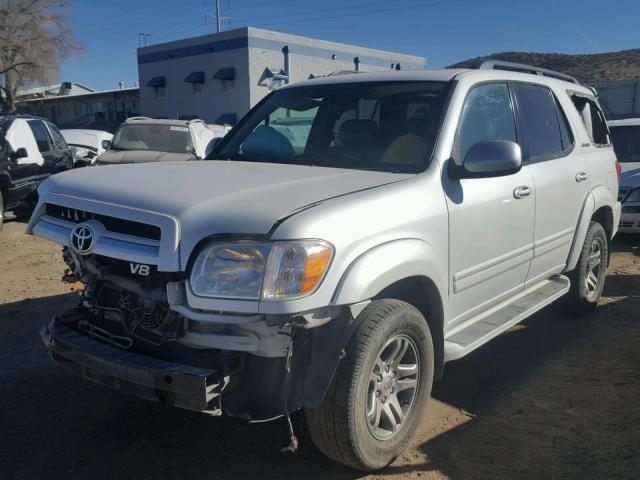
point(385, 264)
point(597, 198)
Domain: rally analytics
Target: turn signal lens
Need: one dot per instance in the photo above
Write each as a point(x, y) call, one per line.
point(295, 269)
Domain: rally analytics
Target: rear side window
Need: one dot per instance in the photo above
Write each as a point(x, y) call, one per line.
point(43, 139)
point(545, 130)
point(593, 119)
point(487, 115)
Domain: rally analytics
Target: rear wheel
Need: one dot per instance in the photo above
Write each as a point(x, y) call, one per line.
point(377, 399)
point(587, 280)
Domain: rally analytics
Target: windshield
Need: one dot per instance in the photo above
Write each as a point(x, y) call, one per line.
point(626, 143)
point(160, 138)
point(386, 126)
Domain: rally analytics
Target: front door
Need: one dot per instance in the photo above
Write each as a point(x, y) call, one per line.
point(490, 219)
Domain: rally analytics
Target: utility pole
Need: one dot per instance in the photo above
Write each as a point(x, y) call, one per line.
point(216, 16)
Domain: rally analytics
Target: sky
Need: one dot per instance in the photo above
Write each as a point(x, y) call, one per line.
point(443, 31)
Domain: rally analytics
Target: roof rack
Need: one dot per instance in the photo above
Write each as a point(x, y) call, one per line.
point(520, 67)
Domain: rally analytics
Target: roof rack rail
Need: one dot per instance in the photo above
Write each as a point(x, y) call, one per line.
point(521, 67)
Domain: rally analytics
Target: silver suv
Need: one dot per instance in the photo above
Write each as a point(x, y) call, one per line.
point(414, 217)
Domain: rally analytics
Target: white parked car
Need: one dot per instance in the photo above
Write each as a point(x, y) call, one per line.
point(144, 140)
point(626, 141)
point(86, 145)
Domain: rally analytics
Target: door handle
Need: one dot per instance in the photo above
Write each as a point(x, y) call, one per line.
point(522, 192)
point(581, 177)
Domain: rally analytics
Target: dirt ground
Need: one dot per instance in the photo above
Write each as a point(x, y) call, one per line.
point(555, 397)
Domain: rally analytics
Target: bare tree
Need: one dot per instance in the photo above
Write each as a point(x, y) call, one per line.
point(35, 37)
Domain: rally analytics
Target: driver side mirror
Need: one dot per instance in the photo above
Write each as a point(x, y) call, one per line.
point(106, 144)
point(19, 153)
point(492, 158)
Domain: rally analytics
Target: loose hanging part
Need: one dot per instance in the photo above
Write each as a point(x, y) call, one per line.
point(293, 445)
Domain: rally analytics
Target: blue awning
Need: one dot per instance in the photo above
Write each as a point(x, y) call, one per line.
point(156, 82)
point(227, 118)
point(195, 77)
point(225, 74)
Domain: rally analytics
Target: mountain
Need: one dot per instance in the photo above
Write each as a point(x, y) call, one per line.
point(595, 67)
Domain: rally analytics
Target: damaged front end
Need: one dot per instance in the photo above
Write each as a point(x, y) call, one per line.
point(134, 332)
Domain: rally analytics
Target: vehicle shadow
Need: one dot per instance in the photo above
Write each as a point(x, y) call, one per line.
point(548, 399)
point(626, 243)
point(59, 426)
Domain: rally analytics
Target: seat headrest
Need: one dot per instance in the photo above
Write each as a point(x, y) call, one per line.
point(358, 132)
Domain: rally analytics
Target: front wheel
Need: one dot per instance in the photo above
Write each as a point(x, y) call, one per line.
point(587, 280)
point(377, 399)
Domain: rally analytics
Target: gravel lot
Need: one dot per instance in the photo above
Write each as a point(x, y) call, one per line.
point(555, 397)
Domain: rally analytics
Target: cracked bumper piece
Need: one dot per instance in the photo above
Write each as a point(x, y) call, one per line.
point(184, 386)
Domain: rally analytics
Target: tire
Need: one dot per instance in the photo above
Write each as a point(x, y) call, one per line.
point(587, 280)
point(340, 426)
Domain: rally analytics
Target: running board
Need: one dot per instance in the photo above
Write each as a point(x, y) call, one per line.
point(492, 323)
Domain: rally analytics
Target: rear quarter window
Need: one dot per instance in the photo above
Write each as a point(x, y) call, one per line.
point(592, 119)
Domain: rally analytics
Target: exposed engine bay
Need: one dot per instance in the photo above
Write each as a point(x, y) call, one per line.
point(124, 309)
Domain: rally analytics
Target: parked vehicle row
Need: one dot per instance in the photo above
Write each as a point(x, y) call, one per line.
point(32, 148)
point(341, 244)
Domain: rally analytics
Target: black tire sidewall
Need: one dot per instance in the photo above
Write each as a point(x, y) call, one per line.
point(405, 321)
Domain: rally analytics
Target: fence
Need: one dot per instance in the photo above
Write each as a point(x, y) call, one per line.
point(619, 99)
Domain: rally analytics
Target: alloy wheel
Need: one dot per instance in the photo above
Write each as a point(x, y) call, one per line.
point(393, 384)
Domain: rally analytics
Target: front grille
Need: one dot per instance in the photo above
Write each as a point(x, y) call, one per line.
point(112, 224)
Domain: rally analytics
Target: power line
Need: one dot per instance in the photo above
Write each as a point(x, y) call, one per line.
point(171, 34)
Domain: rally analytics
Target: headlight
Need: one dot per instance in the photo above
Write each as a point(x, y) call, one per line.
point(633, 196)
point(230, 270)
point(271, 271)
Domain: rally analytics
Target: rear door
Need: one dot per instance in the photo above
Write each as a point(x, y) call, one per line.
point(559, 173)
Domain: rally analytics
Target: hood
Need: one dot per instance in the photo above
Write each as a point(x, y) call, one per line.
point(210, 197)
point(630, 174)
point(111, 157)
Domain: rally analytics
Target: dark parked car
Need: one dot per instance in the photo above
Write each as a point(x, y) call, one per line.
point(31, 149)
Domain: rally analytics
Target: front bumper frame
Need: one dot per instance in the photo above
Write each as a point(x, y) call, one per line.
point(185, 386)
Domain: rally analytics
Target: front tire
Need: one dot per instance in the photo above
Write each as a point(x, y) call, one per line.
point(377, 399)
point(587, 280)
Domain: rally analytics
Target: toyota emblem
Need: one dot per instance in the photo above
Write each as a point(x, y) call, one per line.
point(82, 240)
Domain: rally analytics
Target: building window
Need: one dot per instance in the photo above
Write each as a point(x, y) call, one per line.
point(198, 88)
point(160, 92)
point(228, 85)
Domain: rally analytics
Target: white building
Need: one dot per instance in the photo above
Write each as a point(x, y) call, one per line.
point(219, 77)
